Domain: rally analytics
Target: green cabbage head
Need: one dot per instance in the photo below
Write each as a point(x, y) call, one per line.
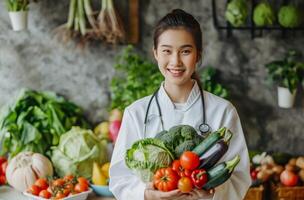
point(146, 156)
point(76, 152)
point(263, 14)
point(289, 16)
point(236, 12)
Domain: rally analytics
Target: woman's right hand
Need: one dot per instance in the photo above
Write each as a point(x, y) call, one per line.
point(152, 194)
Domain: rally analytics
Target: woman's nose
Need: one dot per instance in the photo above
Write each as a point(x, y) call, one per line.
point(175, 59)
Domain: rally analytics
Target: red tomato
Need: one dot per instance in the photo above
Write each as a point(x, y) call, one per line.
point(34, 189)
point(288, 178)
point(42, 183)
point(3, 167)
point(45, 194)
point(69, 186)
point(176, 166)
point(185, 185)
point(83, 180)
point(165, 179)
point(81, 187)
point(189, 160)
point(2, 180)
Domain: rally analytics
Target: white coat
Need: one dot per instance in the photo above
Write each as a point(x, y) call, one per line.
point(219, 112)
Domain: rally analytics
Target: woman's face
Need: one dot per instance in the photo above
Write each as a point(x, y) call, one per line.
point(176, 55)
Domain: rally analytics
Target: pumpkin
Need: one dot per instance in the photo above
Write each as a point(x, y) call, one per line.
point(25, 168)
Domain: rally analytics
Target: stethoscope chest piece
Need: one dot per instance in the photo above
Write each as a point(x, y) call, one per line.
point(204, 129)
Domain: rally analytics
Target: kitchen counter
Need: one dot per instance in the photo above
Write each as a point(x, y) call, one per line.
point(8, 193)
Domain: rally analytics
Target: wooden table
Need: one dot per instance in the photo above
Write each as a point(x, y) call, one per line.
point(8, 193)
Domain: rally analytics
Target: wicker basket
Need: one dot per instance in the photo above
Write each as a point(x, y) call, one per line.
point(255, 193)
point(287, 193)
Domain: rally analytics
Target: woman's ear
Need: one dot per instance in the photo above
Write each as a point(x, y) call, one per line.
point(154, 53)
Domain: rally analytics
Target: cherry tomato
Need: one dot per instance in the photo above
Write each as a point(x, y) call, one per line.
point(42, 183)
point(83, 180)
point(176, 166)
point(2, 180)
point(165, 179)
point(79, 187)
point(68, 177)
point(58, 182)
point(34, 189)
point(185, 185)
point(66, 191)
point(69, 186)
point(254, 174)
point(45, 194)
point(59, 195)
point(189, 160)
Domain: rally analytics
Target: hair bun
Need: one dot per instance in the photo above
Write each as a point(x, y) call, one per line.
point(178, 11)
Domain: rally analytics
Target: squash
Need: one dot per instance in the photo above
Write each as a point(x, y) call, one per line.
point(24, 169)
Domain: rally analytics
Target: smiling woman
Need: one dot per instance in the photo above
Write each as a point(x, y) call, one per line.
point(179, 100)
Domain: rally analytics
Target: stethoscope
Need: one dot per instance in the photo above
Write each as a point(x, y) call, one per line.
point(204, 128)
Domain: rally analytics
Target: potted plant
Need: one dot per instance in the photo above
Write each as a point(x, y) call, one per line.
point(287, 74)
point(18, 12)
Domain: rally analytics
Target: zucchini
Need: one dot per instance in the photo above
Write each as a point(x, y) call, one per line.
point(220, 173)
point(211, 139)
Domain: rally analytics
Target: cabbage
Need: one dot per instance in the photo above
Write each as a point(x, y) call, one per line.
point(263, 14)
point(76, 152)
point(236, 12)
point(146, 156)
point(289, 16)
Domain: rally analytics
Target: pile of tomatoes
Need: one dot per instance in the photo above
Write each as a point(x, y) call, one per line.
point(59, 188)
point(3, 166)
point(183, 174)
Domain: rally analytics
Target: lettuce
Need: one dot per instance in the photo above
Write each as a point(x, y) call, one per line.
point(76, 152)
point(146, 156)
point(35, 121)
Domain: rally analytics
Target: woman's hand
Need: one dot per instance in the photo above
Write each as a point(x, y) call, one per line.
point(152, 194)
point(195, 194)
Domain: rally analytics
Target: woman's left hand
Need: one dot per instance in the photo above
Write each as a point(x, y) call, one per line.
point(196, 194)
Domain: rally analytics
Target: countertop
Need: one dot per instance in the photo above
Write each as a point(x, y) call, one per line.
point(8, 193)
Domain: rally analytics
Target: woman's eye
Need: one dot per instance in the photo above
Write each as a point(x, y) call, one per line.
point(186, 52)
point(167, 51)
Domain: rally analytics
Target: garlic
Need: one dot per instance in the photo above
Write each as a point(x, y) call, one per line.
point(24, 169)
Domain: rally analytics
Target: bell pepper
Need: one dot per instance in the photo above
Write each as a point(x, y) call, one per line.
point(199, 178)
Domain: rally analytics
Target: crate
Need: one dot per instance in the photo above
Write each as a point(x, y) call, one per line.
point(255, 193)
point(279, 192)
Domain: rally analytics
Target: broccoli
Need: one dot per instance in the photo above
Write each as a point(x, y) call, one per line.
point(180, 138)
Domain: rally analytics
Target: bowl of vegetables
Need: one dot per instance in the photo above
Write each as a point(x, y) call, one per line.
point(67, 188)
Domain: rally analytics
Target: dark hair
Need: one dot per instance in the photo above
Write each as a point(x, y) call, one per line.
point(176, 19)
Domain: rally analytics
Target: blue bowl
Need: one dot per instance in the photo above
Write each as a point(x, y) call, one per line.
point(102, 190)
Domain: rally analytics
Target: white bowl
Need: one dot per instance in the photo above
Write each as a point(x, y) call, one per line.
point(79, 196)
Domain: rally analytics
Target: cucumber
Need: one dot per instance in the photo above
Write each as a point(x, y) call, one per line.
point(211, 139)
point(220, 173)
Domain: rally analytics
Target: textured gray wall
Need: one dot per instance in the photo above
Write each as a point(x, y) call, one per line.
point(35, 59)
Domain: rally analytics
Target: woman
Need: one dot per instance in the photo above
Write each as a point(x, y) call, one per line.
point(177, 50)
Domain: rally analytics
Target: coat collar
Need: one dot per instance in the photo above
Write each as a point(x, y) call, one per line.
point(166, 102)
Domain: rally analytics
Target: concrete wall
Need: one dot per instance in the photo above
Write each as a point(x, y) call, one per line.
point(36, 59)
